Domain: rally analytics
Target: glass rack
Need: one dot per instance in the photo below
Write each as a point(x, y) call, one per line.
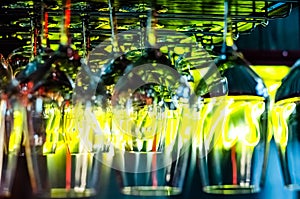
point(201, 18)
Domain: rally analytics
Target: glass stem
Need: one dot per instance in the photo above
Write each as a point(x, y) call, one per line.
point(114, 27)
point(86, 38)
point(150, 31)
point(227, 32)
point(34, 39)
point(44, 41)
point(64, 37)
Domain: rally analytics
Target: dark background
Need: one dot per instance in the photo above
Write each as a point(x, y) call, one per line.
point(276, 44)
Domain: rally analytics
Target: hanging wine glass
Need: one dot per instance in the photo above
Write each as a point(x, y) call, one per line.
point(59, 163)
point(285, 113)
point(13, 117)
point(10, 144)
point(234, 141)
point(15, 135)
point(148, 100)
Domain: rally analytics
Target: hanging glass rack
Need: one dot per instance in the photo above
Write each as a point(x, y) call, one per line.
point(201, 18)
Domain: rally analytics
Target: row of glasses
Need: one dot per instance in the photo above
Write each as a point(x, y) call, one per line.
point(140, 121)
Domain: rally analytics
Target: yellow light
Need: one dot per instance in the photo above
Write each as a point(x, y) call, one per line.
point(230, 120)
point(20, 37)
point(229, 41)
point(152, 38)
point(108, 48)
point(172, 121)
point(280, 115)
point(179, 50)
point(16, 133)
point(64, 39)
point(242, 123)
point(53, 119)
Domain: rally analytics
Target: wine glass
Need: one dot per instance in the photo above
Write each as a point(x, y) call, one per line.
point(234, 138)
point(147, 98)
point(60, 162)
point(285, 124)
point(11, 125)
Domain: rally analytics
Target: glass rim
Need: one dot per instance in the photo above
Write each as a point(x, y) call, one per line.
point(236, 98)
point(288, 100)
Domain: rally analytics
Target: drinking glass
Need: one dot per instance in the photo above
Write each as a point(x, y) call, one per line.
point(152, 130)
point(62, 134)
point(11, 118)
point(60, 158)
point(231, 155)
point(285, 114)
point(234, 139)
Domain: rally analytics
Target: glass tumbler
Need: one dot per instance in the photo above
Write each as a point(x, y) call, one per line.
point(153, 157)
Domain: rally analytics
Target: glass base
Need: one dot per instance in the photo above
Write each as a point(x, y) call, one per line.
point(5, 193)
point(293, 187)
point(151, 191)
point(68, 193)
point(230, 189)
